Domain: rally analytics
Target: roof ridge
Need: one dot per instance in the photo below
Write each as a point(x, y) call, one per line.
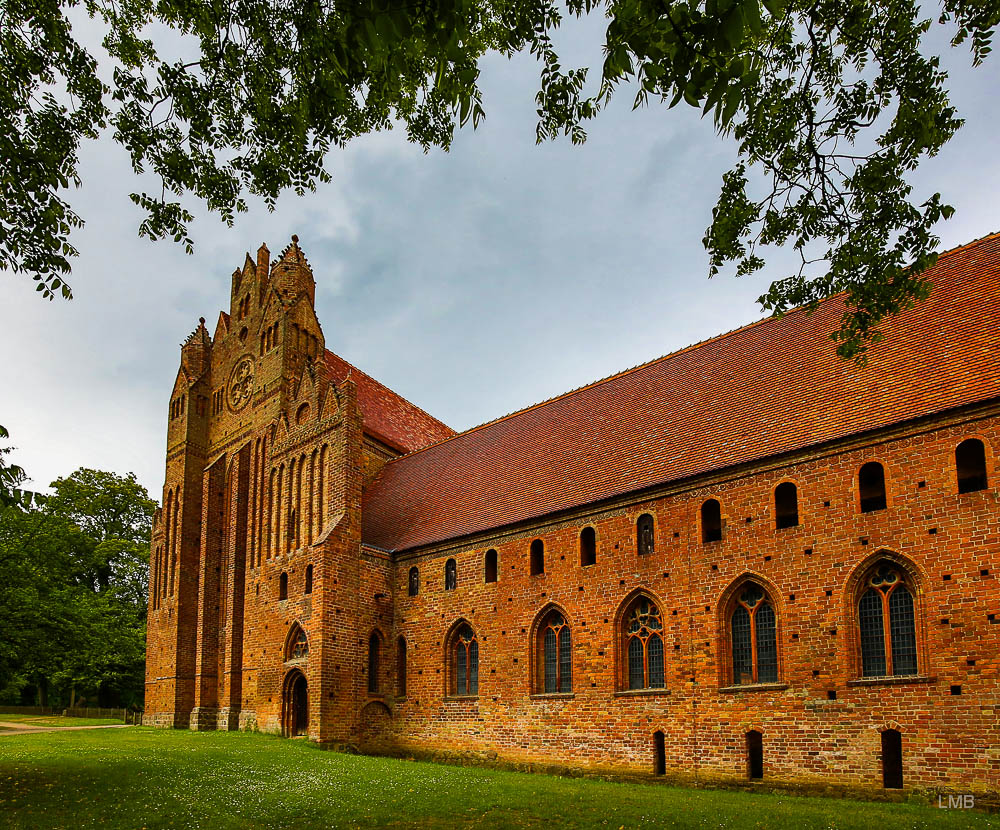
point(393, 391)
point(969, 244)
point(638, 366)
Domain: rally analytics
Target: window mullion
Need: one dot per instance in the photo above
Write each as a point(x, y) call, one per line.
point(887, 632)
point(753, 643)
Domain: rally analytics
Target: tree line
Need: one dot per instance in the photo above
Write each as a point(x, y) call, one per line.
point(74, 570)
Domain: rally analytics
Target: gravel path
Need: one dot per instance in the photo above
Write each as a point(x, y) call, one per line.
point(22, 728)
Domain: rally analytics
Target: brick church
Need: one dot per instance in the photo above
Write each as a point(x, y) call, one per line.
point(746, 559)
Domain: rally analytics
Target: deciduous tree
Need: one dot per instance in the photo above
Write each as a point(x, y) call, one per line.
point(832, 102)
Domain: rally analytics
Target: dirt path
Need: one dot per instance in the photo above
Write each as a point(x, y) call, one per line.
point(22, 728)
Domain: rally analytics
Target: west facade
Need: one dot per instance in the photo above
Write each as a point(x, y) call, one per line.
point(748, 559)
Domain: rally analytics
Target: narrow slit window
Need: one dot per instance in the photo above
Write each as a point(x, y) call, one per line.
point(490, 566)
point(588, 547)
point(450, 575)
point(309, 579)
point(659, 754)
point(970, 464)
point(786, 505)
point(871, 486)
point(755, 754)
point(413, 582)
point(283, 586)
point(711, 521)
point(892, 760)
point(645, 541)
point(537, 555)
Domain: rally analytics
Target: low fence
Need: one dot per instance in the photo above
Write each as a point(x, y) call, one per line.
point(127, 715)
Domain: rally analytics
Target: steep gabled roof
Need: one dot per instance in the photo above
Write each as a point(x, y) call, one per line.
point(774, 386)
point(387, 416)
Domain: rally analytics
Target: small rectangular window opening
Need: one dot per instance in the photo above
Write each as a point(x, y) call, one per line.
point(892, 760)
point(755, 754)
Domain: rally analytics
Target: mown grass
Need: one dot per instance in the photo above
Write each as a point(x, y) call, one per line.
point(144, 778)
point(56, 720)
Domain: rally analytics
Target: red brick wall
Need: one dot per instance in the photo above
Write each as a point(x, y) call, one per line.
point(948, 740)
point(238, 481)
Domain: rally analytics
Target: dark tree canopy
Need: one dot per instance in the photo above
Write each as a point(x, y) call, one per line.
point(832, 104)
point(75, 570)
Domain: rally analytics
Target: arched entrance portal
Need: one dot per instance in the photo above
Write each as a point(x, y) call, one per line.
point(295, 705)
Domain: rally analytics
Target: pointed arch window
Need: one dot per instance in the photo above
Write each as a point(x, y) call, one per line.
point(298, 645)
point(555, 655)
point(887, 624)
point(970, 465)
point(753, 635)
point(490, 566)
point(465, 662)
point(413, 581)
point(645, 540)
point(643, 646)
point(450, 575)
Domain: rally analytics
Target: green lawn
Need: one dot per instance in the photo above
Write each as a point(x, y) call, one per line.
point(144, 778)
point(55, 720)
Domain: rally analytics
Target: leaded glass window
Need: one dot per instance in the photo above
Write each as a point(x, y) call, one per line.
point(753, 630)
point(557, 655)
point(466, 662)
point(298, 645)
point(644, 646)
point(887, 623)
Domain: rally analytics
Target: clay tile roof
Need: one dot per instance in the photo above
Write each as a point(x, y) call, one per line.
point(391, 419)
point(771, 387)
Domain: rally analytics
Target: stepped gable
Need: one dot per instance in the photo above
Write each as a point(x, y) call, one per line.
point(771, 387)
point(390, 418)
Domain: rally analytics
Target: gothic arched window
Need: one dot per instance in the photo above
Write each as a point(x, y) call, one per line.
point(754, 636)
point(413, 581)
point(450, 575)
point(555, 654)
point(298, 644)
point(644, 536)
point(465, 662)
point(643, 645)
point(887, 623)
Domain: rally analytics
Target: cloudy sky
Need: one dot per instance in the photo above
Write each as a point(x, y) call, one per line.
point(474, 282)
